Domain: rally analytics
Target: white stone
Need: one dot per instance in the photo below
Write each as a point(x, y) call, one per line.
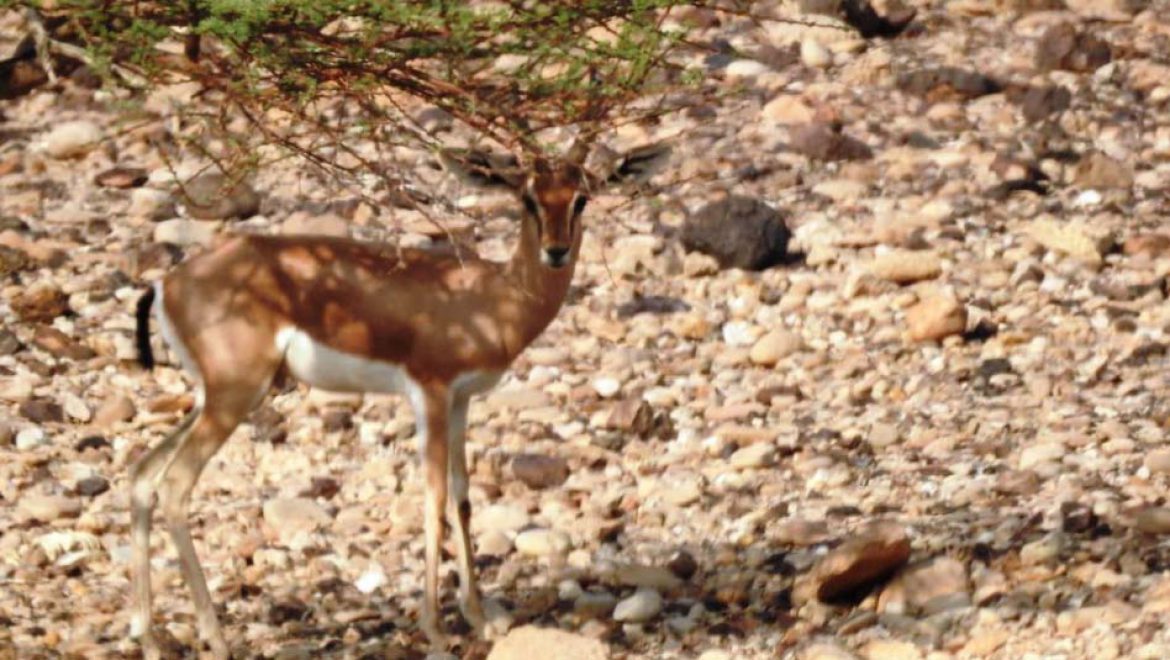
point(151, 204)
point(543, 542)
point(643, 605)
point(72, 139)
point(815, 55)
point(30, 438)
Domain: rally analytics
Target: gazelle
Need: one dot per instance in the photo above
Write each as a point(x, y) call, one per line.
point(351, 316)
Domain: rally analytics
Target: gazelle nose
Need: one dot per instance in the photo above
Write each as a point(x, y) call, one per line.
point(556, 256)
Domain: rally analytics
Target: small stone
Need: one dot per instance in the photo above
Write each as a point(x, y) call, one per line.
point(814, 54)
point(60, 345)
point(215, 196)
point(758, 455)
point(787, 109)
point(1100, 172)
point(42, 302)
point(890, 649)
point(42, 411)
point(1063, 46)
point(328, 224)
point(30, 438)
point(73, 139)
point(151, 204)
point(632, 415)
point(289, 516)
point(826, 651)
point(501, 518)
point(906, 266)
point(1040, 453)
point(1151, 245)
point(875, 553)
point(539, 472)
point(1045, 550)
point(47, 508)
point(801, 532)
point(493, 543)
point(945, 83)
point(927, 588)
point(884, 435)
point(1075, 239)
point(606, 387)
point(527, 642)
point(121, 177)
point(683, 565)
point(1158, 461)
point(13, 260)
point(92, 486)
point(543, 542)
point(76, 409)
point(1153, 520)
point(775, 346)
point(658, 578)
point(643, 605)
point(935, 318)
point(113, 411)
point(826, 142)
point(178, 231)
point(594, 604)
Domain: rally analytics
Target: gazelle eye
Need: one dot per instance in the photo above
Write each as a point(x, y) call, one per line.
point(579, 204)
point(530, 205)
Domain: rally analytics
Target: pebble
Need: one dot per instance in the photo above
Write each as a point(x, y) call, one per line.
point(539, 472)
point(151, 204)
point(30, 438)
point(47, 508)
point(606, 387)
point(178, 231)
point(906, 266)
point(289, 516)
point(73, 139)
point(775, 346)
point(1153, 520)
point(759, 455)
point(644, 604)
point(543, 543)
point(815, 55)
point(594, 604)
point(521, 643)
point(935, 318)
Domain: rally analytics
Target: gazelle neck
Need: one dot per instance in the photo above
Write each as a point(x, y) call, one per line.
point(543, 288)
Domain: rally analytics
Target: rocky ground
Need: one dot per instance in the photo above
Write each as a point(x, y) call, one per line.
point(935, 429)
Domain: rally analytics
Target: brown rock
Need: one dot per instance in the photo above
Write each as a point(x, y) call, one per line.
point(1153, 520)
point(538, 472)
point(935, 318)
point(121, 177)
point(1152, 245)
point(859, 563)
point(13, 260)
point(41, 411)
point(40, 303)
point(826, 142)
point(633, 415)
point(1063, 46)
point(58, 344)
point(947, 84)
point(114, 410)
point(527, 642)
point(47, 508)
point(171, 403)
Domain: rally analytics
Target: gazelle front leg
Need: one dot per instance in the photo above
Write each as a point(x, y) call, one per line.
point(435, 414)
point(459, 515)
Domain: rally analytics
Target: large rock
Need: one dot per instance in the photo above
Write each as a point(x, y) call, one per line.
point(528, 642)
point(538, 472)
point(41, 302)
point(739, 232)
point(859, 563)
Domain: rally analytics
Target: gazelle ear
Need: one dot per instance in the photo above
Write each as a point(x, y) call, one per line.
point(637, 165)
point(483, 169)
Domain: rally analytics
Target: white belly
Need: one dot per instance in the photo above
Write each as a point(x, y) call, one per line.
point(330, 369)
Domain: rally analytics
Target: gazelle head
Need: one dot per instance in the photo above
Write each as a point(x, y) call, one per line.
point(553, 192)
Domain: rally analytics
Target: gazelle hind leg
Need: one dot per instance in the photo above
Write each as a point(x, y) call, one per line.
point(226, 406)
point(144, 478)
